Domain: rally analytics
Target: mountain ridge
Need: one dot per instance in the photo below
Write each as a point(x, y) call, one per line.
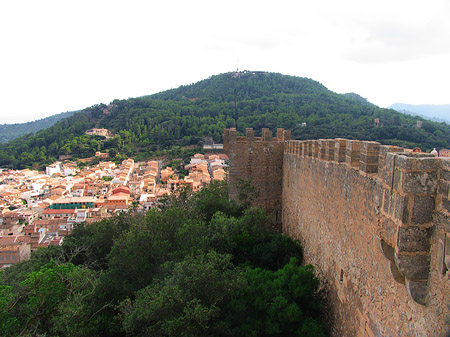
point(435, 112)
point(11, 131)
point(166, 122)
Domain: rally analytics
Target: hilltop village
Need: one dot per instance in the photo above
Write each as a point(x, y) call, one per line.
point(38, 209)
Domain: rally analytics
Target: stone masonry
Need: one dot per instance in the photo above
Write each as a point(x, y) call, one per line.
point(374, 220)
point(257, 160)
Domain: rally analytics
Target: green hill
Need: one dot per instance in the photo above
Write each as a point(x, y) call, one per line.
point(9, 132)
point(163, 123)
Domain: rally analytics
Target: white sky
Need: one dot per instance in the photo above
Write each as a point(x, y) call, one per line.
point(58, 56)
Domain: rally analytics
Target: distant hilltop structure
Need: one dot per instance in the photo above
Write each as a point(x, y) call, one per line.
point(208, 144)
point(99, 132)
point(373, 219)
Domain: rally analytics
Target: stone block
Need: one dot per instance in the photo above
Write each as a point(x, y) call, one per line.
point(413, 267)
point(445, 163)
point(386, 201)
point(445, 175)
point(368, 168)
point(442, 268)
point(250, 134)
point(315, 149)
point(353, 153)
point(302, 149)
point(309, 148)
point(329, 154)
point(390, 173)
point(280, 134)
point(369, 157)
point(340, 147)
point(444, 188)
point(400, 204)
point(418, 290)
point(406, 163)
point(288, 147)
point(428, 163)
point(441, 221)
point(287, 135)
point(390, 161)
point(267, 135)
point(422, 211)
point(446, 204)
point(413, 239)
point(388, 250)
point(419, 182)
point(388, 230)
point(322, 148)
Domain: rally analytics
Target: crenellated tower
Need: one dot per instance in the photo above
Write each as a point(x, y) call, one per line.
point(257, 161)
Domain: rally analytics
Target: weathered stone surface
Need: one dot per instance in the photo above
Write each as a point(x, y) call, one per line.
point(396, 179)
point(445, 175)
point(389, 230)
point(447, 321)
point(386, 201)
point(388, 250)
point(259, 161)
point(414, 267)
point(401, 211)
point(417, 290)
point(446, 204)
point(396, 275)
point(353, 153)
point(405, 162)
point(419, 182)
point(339, 215)
point(444, 188)
point(414, 239)
point(425, 164)
point(340, 148)
point(423, 210)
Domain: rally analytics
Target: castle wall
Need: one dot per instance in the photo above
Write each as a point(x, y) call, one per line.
point(375, 224)
point(257, 161)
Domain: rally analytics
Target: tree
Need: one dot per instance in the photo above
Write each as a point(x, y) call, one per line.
point(187, 301)
point(278, 303)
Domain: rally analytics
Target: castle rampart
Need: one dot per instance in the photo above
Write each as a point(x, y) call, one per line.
point(375, 221)
point(257, 160)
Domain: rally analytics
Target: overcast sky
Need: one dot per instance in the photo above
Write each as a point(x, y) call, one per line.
point(58, 56)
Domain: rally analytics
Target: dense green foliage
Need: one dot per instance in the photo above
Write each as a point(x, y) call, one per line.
point(165, 123)
point(198, 266)
point(9, 132)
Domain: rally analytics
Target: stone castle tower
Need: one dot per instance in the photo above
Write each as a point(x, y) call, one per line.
point(374, 220)
point(258, 161)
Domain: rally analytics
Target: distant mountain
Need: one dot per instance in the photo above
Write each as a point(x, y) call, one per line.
point(166, 123)
point(435, 112)
point(9, 132)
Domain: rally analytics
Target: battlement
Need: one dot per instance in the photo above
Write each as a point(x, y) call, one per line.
point(373, 219)
point(230, 137)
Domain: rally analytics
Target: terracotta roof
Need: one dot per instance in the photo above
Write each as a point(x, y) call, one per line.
point(59, 211)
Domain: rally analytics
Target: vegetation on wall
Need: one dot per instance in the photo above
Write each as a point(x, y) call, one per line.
point(198, 266)
point(154, 125)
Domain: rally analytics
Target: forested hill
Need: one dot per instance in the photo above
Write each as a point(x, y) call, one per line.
point(163, 123)
point(11, 131)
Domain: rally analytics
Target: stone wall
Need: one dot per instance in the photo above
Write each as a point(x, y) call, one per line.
point(374, 221)
point(258, 161)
